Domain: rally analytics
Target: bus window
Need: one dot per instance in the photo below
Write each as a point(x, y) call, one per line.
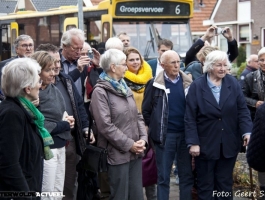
point(106, 31)
point(5, 43)
point(149, 33)
point(14, 35)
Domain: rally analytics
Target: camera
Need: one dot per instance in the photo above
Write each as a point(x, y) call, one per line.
point(219, 31)
point(90, 54)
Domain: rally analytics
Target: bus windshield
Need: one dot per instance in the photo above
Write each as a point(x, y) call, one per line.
point(145, 35)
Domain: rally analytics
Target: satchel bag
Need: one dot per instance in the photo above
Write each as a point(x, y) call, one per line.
point(95, 159)
point(149, 168)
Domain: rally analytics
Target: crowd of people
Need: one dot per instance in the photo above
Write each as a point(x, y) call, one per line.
point(193, 114)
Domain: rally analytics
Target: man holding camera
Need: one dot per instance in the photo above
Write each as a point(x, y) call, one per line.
point(72, 62)
point(207, 37)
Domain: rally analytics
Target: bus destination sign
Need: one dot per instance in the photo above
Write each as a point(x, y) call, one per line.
point(152, 8)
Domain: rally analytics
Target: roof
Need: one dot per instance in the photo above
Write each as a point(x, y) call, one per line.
point(201, 13)
point(7, 6)
point(42, 5)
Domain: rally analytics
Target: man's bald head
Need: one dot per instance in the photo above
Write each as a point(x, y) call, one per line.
point(170, 61)
point(252, 61)
point(167, 54)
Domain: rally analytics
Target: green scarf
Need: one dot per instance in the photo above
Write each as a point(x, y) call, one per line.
point(39, 121)
point(119, 86)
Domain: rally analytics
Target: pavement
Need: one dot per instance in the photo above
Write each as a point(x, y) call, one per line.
point(174, 191)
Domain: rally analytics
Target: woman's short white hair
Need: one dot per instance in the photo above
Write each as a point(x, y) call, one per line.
point(261, 52)
point(114, 43)
point(111, 56)
point(214, 57)
point(19, 74)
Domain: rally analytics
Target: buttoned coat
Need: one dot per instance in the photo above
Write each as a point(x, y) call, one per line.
point(208, 123)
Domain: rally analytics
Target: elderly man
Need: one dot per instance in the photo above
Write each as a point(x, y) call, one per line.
point(163, 110)
point(24, 47)
point(125, 40)
point(72, 62)
point(252, 65)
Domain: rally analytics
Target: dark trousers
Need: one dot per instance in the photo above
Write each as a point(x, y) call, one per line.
point(70, 182)
point(175, 143)
point(126, 181)
point(215, 178)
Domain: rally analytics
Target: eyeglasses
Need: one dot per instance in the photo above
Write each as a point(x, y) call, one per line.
point(124, 65)
point(76, 49)
point(27, 46)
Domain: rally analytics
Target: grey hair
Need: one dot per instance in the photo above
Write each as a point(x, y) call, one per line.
point(86, 45)
point(212, 58)
point(111, 56)
point(67, 36)
point(261, 51)
point(114, 43)
point(19, 74)
point(22, 38)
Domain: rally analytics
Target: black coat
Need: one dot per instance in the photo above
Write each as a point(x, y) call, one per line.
point(232, 51)
point(80, 115)
point(21, 149)
point(256, 147)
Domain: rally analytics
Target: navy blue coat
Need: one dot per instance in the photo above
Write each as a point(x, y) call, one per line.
point(153, 65)
point(208, 123)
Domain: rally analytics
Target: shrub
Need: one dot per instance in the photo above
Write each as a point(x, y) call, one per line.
point(241, 55)
point(241, 69)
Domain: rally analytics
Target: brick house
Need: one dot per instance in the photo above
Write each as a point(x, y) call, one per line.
point(202, 11)
point(245, 18)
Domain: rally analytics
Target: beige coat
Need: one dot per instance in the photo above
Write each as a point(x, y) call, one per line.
point(123, 128)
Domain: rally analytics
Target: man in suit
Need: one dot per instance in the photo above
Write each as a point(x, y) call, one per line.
point(24, 47)
point(125, 40)
point(163, 45)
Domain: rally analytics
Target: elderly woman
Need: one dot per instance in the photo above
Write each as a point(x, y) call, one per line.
point(120, 127)
point(215, 120)
point(253, 89)
point(57, 122)
point(22, 132)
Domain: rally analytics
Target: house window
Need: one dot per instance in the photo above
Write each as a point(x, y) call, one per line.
point(244, 33)
point(263, 37)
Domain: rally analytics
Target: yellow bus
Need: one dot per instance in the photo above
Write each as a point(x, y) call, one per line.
point(145, 21)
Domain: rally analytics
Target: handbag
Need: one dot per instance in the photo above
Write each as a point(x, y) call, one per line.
point(149, 168)
point(95, 159)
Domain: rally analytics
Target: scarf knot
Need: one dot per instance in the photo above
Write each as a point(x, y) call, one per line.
point(119, 86)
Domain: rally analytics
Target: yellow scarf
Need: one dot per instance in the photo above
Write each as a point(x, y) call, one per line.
point(142, 77)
